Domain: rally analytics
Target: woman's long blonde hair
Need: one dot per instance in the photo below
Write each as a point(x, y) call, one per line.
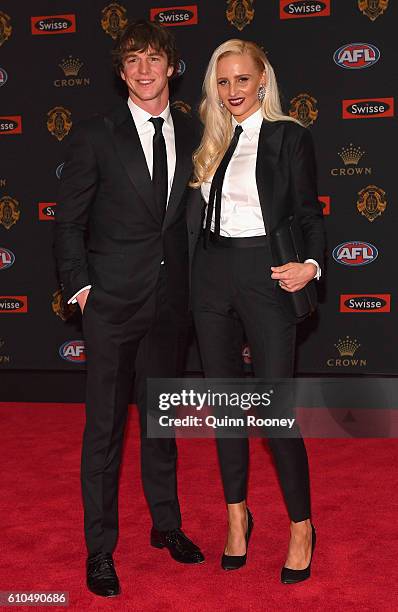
point(217, 120)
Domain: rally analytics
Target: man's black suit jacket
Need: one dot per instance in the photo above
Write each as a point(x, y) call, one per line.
point(108, 231)
point(286, 183)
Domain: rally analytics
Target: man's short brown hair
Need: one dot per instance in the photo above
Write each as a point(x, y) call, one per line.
point(139, 36)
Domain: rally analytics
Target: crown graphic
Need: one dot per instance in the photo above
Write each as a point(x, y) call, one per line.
point(347, 347)
point(351, 154)
point(71, 66)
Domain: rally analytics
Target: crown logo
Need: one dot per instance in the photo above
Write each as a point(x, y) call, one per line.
point(347, 347)
point(351, 155)
point(71, 66)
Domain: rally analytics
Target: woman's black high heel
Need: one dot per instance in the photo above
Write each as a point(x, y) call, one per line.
point(229, 562)
point(291, 576)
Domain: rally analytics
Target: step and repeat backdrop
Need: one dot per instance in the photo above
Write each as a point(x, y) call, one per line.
point(337, 66)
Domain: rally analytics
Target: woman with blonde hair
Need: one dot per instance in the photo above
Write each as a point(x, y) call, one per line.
point(254, 168)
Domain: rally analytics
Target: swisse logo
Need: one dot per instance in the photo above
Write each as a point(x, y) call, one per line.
point(73, 350)
point(355, 56)
point(175, 15)
point(325, 203)
point(293, 9)
point(368, 108)
point(53, 24)
point(7, 258)
point(355, 253)
point(13, 303)
point(368, 302)
point(11, 124)
point(47, 211)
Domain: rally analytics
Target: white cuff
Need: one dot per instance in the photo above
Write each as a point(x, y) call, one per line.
point(318, 268)
point(73, 299)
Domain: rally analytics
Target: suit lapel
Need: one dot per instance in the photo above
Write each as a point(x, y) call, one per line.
point(269, 145)
point(183, 169)
point(130, 152)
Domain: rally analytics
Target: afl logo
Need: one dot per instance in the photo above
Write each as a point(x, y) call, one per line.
point(181, 66)
point(58, 170)
point(355, 56)
point(7, 258)
point(3, 77)
point(73, 350)
point(355, 253)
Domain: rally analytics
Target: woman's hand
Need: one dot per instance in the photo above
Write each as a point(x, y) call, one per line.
point(293, 276)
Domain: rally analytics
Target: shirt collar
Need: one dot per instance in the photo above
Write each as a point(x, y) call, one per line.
point(141, 116)
point(252, 125)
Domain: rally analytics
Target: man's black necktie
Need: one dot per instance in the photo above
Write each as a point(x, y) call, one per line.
point(216, 188)
point(159, 168)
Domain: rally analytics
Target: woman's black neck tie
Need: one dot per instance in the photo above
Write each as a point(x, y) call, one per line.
point(216, 189)
point(159, 172)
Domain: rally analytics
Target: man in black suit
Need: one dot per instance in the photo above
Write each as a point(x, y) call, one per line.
point(122, 253)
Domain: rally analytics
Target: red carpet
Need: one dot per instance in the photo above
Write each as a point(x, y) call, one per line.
point(355, 511)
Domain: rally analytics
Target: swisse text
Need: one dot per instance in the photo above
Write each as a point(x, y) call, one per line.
point(53, 24)
point(362, 304)
point(48, 24)
point(175, 16)
point(8, 126)
point(47, 211)
point(368, 108)
point(13, 304)
point(365, 302)
point(304, 7)
point(293, 9)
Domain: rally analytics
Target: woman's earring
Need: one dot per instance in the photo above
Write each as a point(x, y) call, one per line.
point(261, 93)
point(221, 104)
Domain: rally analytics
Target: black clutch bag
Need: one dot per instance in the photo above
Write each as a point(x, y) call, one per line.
point(287, 244)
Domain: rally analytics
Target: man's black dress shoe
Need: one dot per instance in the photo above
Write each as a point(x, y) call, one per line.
point(231, 562)
point(101, 575)
point(179, 546)
point(291, 576)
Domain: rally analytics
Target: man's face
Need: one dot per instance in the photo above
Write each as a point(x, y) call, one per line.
point(146, 75)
